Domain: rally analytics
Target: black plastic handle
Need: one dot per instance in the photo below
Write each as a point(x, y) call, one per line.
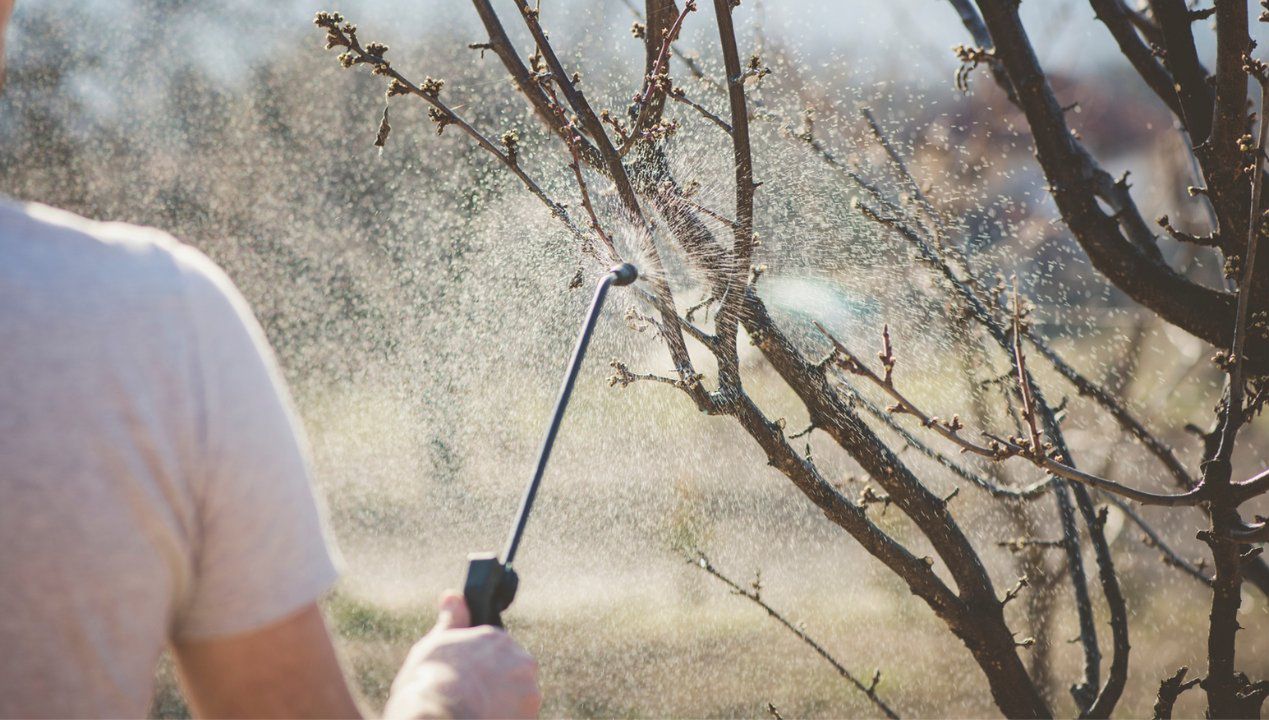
point(489, 589)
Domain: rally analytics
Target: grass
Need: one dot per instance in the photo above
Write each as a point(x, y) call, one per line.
point(708, 654)
point(623, 628)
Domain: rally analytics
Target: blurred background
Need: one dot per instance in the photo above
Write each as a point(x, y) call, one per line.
point(419, 302)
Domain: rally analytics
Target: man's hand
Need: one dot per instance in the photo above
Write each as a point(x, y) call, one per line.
point(456, 671)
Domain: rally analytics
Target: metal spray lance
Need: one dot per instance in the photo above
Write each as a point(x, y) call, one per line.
point(491, 582)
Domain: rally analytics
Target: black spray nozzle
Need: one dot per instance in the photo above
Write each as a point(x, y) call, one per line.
point(624, 274)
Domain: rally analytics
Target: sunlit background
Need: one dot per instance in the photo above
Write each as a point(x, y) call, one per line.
point(418, 299)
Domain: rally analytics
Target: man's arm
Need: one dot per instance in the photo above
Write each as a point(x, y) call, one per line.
point(286, 669)
point(289, 669)
point(249, 639)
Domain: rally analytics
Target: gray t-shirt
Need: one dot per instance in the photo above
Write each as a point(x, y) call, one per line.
point(153, 480)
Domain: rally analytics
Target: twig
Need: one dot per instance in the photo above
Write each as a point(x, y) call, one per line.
point(573, 139)
point(341, 34)
point(754, 595)
point(590, 121)
point(1169, 690)
point(678, 95)
point(727, 321)
point(1024, 378)
point(1020, 544)
point(1002, 448)
point(1156, 541)
point(678, 199)
point(1014, 591)
point(525, 80)
point(807, 136)
point(974, 23)
point(1135, 427)
point(932, 216)
point(655, 80)
point(1027, 492)
point(1252, 487)
point(624, 377)
point(688, 61)
point(1256, 532)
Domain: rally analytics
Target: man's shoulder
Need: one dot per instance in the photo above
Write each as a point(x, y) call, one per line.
point(31, 223)
point(45, 247)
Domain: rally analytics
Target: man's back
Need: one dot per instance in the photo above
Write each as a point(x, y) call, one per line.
point(151, 484)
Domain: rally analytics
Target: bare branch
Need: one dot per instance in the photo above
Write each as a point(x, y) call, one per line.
point(1027, 492)
point(1003, 448)
point(590, 120)
point(1154, 540)
point(1169, 690)
point(1120, 245)
point(678, 199)
point(338, 35)
point(1181, 59)
point(973, 22)
point(1246, 287)
point(1118, 19)
point(656, 81)
point(727, 321)
point(1085, 693)
point(678, 95)
point(524, 79)
point(624, 377)
point(1014, 591)
point(1024, 378)
point(1252, 487)
point(754, 595)
point(1135, 427)
point(932, 216)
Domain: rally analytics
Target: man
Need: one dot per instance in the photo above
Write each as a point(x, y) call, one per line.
point(154, 493)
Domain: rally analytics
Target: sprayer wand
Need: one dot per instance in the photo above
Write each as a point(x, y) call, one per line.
point(491, 582)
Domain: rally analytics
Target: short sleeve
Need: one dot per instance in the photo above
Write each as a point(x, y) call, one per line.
point(262, 550)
